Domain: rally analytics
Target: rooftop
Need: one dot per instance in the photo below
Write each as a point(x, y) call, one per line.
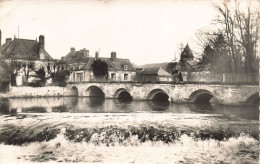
point(23, 49)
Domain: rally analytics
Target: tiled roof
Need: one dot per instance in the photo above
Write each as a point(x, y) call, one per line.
point(167, 66)
point(23, 49)
point(113, 65)
point(155, 71)
point(71, 57)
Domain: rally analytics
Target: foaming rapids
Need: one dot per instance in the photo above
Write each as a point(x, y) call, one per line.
point(140, 144)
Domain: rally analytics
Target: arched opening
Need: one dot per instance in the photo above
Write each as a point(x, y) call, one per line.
point(202, 97)
point(253, 100)
point(158, 95)
point(122, 95)
point(74, 91)
point(95, 91)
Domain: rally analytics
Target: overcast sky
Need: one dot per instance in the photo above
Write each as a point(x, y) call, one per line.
point(141, 30)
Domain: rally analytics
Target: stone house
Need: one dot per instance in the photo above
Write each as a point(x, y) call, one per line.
point(24, 56)
point(80, 66)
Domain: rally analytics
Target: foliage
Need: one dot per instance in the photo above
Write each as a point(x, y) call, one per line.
point(59, 78)
point(100, 68)
point(16, 66)
point(216, 55)
point(240, 30)
point(40, 78)
point(4, 72)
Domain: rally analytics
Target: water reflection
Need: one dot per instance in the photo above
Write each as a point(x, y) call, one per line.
point(101, 105)
point(34, 110)
point(159, 105)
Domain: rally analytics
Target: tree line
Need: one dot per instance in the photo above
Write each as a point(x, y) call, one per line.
point(232, 47)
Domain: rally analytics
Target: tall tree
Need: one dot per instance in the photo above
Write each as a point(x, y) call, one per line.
point(241, 31)
point(216, 55)
point(100, 68)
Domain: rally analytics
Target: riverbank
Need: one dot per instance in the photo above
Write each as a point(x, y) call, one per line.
point(25, 91)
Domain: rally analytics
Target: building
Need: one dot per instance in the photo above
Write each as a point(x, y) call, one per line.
point(167, 66)
point(178, 70)
point(24, 56)
point(154, 75)
point(80, 66)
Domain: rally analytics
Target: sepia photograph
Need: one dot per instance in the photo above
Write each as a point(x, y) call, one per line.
point(129, 81)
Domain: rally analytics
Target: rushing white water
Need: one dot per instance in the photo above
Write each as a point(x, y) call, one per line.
point(127, 138)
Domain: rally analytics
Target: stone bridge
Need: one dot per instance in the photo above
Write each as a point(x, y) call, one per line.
point(223, 94)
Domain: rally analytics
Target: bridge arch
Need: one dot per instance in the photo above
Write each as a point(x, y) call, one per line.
point(94, 91)
point(74, 91)
point(253, 99)
point(158, 95)
point(122, 94)
point(201, 96)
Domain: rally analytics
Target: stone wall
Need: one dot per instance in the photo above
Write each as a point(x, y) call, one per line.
point(224, 94)
point(25, 91)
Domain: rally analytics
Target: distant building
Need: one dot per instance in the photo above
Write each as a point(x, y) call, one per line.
point(74, 55)
point(167, 66)
point(24, 56)
point(177, 70)
point(80, 65)
point(154, 75)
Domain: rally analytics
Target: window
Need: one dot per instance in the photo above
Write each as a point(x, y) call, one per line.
point(125, 76)
point(113, 76)
point(125, 67)
point(79, 77)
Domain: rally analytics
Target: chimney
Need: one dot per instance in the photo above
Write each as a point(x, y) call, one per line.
point(113, 56)
point(41, 41)
point(96, 55)
point(85, 53)
point(72, 50)
point(8, 40)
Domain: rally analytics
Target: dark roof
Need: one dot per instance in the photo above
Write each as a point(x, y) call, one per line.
point(187, 53)
point(168, 66)
point(155, 71)
point(113, 65)
point(72, 56)
point(23, 49)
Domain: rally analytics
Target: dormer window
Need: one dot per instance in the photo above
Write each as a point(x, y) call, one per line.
point(125, 67)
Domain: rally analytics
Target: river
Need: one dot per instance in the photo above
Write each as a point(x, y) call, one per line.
point(98, 130)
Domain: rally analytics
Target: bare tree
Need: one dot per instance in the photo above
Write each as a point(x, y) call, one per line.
point(240, 27)
point(247, 24)
point(241, 30)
